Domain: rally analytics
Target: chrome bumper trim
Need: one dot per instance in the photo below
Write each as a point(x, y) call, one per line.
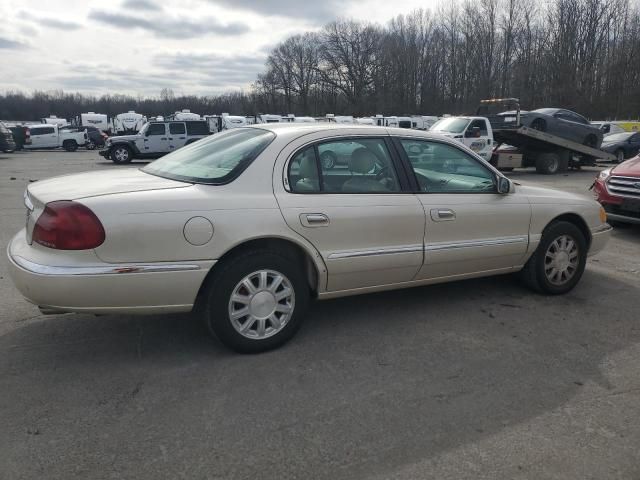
point(101, 270)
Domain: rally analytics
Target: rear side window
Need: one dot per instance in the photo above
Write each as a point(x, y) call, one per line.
point(359, 165)
point(176, 128)
point(197, 128)
point(41, 131)
point(156, 129)
point(215, 160)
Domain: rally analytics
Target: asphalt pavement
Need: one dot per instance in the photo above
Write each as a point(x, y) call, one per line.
point(478, 379)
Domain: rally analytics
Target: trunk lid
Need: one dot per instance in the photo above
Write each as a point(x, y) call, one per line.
point(94, 184)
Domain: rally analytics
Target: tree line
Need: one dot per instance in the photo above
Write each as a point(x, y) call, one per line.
point(577, 54)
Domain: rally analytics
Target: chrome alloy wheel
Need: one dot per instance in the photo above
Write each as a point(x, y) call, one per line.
point(561, 260)
point(121, 154)
point(261, 304)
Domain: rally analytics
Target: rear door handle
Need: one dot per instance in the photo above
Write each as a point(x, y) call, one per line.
point(442, 214)
point(314, 219)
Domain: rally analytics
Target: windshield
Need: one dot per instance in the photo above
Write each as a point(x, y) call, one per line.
point(450, 125)
point(619, 137)
point(217, 159)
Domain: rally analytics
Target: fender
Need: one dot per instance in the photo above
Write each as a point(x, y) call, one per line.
point(130, 143)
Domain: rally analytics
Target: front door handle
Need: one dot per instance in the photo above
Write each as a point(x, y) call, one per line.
point(442, 214)
point(314, 219)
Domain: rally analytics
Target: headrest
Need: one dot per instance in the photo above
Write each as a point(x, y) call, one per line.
point(308, 167)
point(362, 160)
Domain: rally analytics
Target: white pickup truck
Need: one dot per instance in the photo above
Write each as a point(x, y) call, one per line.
point(474, 132)
point(51, 136)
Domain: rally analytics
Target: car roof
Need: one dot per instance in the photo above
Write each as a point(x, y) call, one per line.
point(295, 130)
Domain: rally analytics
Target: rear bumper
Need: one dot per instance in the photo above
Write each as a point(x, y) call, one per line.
point(98, 287)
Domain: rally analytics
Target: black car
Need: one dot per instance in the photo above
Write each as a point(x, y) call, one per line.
point(622, 145)
point(7, 144)
point(95, 136)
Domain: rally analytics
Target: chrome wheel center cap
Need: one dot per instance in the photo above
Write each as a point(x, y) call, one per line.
point(562, 260)
point(263, 304)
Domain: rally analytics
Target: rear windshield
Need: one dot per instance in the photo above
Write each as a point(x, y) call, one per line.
point(217, 159)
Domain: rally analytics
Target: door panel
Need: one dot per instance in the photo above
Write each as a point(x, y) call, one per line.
point(365, 239)
point(486, 232)
point(469, 228)
point(177, 135)
point(156, 140)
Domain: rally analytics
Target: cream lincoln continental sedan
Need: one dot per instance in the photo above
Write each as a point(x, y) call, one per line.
point(245, 227)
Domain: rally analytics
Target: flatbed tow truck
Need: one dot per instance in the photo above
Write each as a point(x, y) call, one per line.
point(528, 147)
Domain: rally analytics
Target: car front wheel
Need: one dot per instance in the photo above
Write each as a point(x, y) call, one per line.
point(120, 154)
point(559, 261)
point(256, 301)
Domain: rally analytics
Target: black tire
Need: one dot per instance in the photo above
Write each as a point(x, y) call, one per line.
point(70, 145)
point(591, 141)
point(90, 145)
point(619, 155)
point(226, 279)
point(8, 151)
point(534, 272)
point(120, 154)
point(539, 124)
point(328, 160)
point(548, 163)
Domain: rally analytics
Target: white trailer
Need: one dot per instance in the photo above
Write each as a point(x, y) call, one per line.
point(53, 120)
point(128, 123)
point(423, 122)
point(186, 114)
point(218, 123)
point(269, 118)
point(304, 120)
point(382, 121)
point(92, 119)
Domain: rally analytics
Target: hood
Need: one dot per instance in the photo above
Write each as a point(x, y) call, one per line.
point(124, 138)
point(630, 168)
point(93, 184)
point(551, 195)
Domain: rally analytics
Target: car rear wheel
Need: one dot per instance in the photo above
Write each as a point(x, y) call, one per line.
point(120, 154)
point(619, 155)
point(70, 145)
point(559, 261)
point(256, 302)
point(539, 124)
point(90, 145)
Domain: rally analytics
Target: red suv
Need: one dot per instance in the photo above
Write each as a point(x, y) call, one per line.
point(618, 190)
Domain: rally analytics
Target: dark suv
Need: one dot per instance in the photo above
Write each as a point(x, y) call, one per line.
point(7, 144)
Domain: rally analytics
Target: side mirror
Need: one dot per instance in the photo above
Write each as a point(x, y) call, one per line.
point(504, 185)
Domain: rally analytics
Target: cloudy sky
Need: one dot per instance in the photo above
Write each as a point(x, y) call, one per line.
point(141, 46)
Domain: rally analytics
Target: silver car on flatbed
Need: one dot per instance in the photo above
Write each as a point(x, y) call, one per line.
point(246, 227)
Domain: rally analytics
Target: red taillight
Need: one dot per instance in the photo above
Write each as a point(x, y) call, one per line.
point(67, 225)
